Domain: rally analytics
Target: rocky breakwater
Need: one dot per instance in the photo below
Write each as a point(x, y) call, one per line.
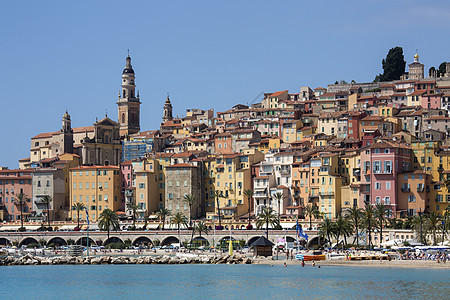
point(118, 260)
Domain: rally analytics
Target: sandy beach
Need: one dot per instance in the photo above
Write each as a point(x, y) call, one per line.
point(361, 263)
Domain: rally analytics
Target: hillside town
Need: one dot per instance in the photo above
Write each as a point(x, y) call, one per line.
point(334, 148)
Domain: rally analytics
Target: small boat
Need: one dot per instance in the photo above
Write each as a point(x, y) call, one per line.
point(314, 257)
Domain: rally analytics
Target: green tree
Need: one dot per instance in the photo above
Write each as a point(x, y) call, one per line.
point(278, 196)
point(267, 217)
point(201, 227)
point(190, 200)
point(311, 210)
point(368, 222)
point(379, 214)
point(393, 65)
point(47, 199)
point(179, 219)
point(327, 228)
point(431, 71)
point(442, 69)
point(78, 207)
point(249, 194)
point(418, 223)
point(354, 215)
point(108, 220)
point(446, 222)
point(20, 200)
point(133, 207)
point(342, 226)
point(433, 223)
point(162, 214)
point(218, 195)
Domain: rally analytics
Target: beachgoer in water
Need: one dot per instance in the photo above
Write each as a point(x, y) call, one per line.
point(313, 263)
point(285, 264)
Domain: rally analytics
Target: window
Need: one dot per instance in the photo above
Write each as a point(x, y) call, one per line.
point(387, 200)
point(377, 200)
point(388, 166)
point(106, 185)
point(142, 185)
point(411, 198)
point(377, 186)
point(87, 185)
point(388, 185)
point(377, 166)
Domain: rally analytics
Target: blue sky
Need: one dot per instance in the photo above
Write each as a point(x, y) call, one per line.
point(60, 55)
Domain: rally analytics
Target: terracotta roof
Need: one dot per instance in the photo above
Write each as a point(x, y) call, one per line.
point(94, 167)
point(181, 166)
point(276, 94)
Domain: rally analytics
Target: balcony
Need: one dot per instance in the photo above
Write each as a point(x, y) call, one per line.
point(325, 193)
point(285, 172)
point(420, 190)
point(406, 189)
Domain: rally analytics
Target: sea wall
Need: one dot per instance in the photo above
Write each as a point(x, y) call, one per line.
point(29, 259)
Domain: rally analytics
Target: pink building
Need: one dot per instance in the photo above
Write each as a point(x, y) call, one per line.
point(431, 100)
point(12, 184)
point(126, 173)
point(387, 160)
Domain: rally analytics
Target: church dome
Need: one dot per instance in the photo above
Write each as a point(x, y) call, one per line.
point(416, 56)
point(66, 115)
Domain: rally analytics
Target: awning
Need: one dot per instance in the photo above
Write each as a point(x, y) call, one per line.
point(91, 227)
point(68, 227)
point(288, 225)
point(9, 228)
point(153, 217)
point(152, 226)
point(32, 227)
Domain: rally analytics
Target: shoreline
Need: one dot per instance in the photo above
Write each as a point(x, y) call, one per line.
point(411, 264)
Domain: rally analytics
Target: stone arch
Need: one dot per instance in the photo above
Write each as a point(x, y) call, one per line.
point(315, 241)
point(142, 240)
point(83, 241)
point(252, 240)
point(28, 240)
point(169, 240)
point(290, 239)
point(5, 242)
point(199, 241)
point(58, 241)
point(112, 239)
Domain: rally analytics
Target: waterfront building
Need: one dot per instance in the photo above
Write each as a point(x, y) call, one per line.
point(12, 184)
point(97, 187)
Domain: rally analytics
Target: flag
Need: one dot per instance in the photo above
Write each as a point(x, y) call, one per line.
point(87, 215)
point(300, 232)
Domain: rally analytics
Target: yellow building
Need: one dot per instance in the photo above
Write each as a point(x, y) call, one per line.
point(232, 178)
point(435, 161)
point(329, 187)
point(267, 143)
point(289, 130)
point(97, 187)
point(146, 187)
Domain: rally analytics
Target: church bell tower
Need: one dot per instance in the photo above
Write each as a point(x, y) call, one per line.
point(129, 103)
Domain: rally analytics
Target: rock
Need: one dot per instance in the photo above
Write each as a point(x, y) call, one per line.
point(96, 261)
point(174, 261)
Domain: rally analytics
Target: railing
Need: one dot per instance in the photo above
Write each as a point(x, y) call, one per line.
point(326, 193)
point(406, 189)
point(420, 190)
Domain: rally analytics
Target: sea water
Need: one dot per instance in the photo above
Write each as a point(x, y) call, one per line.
point(220, 282)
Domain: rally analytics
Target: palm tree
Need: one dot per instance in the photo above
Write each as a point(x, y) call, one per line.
point(133, 207)
point(20, 200)
point(108, 220)
point(201, 227)
point(355, 215)
point(368, 221)
point(380, 215)
point(433, 222)
point(162, 214)
point(249, 194)
point(218, 195)
point(327, 228)
point(312, 210)
point(445, 224)
point(47, 199)
point(342, 227)
point(418, 224)
point(190, 200)
point(78, 207)
point(278, 196)
point(179, 219)
point(267, 216)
